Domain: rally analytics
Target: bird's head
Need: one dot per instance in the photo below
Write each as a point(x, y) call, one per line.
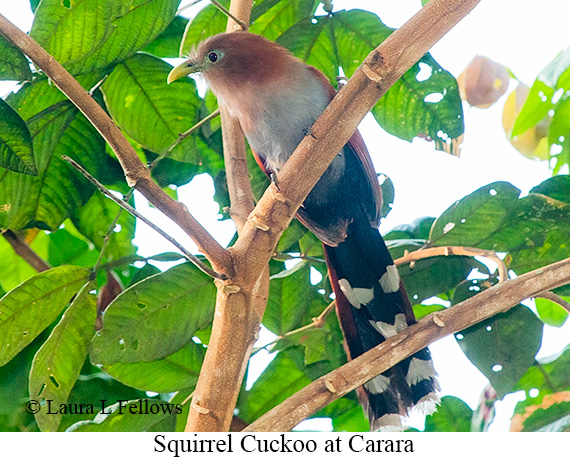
point(240, 64)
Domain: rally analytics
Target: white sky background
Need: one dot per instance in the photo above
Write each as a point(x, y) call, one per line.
point(524, 35)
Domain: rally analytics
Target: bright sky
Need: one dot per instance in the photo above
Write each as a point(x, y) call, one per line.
point(523, 35)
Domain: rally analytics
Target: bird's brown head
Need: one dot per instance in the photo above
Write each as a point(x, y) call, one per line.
point(237, 62)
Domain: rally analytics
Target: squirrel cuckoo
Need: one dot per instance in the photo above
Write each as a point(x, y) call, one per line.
point(277, 98)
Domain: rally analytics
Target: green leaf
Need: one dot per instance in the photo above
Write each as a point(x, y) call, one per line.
point(65, 248)
point(13, 269)
point(83, 41)
point(57, 128)
point(551, 313)
point(14, 390)
point(416, 106)
point(291, 301)
point(97, 389)
point(554, 76)
point(143, 415)
point(57, 364)
point(421, 311)
point(272, 18)
point(29, 308)
point(557, 187)
point(155, 317)
point(209, 21)
point(167, 44)
point(502, 347)
point(175, 372)
point(553, 417)
point(151, 112)
point(387, 188)
point(452, 415)
point(474, 218)
point(546, 376)
point(279, 381)
point(94, 219)
point(16, 152)
point(13, 64)
point(347, 415)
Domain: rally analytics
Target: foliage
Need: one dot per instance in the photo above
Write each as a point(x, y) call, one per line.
point(156, 329)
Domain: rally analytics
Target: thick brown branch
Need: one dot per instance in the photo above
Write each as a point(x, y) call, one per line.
point(339, 382)
point(24, 250)
point(239, 309)
point(138, 176)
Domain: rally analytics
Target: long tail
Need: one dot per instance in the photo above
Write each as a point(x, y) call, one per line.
point(372, 306)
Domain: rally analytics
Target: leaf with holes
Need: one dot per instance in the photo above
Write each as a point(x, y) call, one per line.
point(502, 347)
point(424, 103)
point(86, 35)
point(57, 364)
point(175, 372)
point(151, 112)
point(143, 415)
point(474, 218)
point(29, 308)
point(156, 317)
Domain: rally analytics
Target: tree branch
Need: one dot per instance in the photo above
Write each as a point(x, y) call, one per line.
point(339, 382)
point(24, 250)
point(238, 310)
point(137, 175)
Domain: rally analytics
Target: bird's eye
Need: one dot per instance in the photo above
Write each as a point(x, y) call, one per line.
point(213, 56)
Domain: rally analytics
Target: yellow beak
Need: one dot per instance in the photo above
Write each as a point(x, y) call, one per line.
point(184, 69)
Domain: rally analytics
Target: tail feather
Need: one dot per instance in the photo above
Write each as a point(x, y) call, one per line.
point(372, 306)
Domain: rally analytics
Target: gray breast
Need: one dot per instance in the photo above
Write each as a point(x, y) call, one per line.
point(287, 118)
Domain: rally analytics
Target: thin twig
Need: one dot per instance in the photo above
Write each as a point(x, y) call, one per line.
point(195, 260)
point(411, 257)
point(318, 322)
point(24, 250)
point(182, 137)
point(555, 298)
point(242, 24)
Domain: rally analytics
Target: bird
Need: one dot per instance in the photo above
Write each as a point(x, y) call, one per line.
point(276, 98)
